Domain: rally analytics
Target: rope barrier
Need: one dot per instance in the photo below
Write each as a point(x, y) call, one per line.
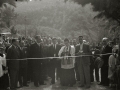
point(61, 57)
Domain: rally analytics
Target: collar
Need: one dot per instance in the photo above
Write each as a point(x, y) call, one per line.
point(38, 43)
point(14, 46)
point(81, 44)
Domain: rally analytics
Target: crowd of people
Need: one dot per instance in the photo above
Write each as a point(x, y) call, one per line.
point(34, 60)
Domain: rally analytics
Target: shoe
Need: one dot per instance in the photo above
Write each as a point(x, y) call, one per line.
point(105, 84)
point(87, 87)
point(36, 85)
point(26, 85)
point(53, 82)
point(81, 86)
point(70, 85)
point(13, 89)
point(42, 84)
point(100, 83)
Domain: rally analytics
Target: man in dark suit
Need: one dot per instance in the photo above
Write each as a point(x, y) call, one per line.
point(29, 70)
point(83, 62)
point(53, 52)
point(104, 69)
point(36, 52)
point(76, 67)
point(23, 65)
point(13, 65)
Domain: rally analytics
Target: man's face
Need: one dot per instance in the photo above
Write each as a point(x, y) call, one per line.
point(22, 44)
point(54, 41)
point(104, 42)
point(38, 39)
point(16, 42)
point(81, 39)
point(74, 42)
point(66, 43)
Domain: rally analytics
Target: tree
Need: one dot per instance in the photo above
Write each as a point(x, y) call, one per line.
point(11, 2)
point(108, 8)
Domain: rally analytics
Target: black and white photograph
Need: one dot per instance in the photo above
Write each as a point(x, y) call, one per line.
point(59, 44)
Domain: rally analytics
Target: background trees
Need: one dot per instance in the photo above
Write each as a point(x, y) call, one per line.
point(56, 18)
point(92, 18)
point(107, 8)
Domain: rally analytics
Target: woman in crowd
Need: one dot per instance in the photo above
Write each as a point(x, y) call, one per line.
point(67, 77)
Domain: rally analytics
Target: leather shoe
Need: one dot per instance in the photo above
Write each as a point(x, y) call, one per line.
point(87, 87)
point(26, 85)
point(36, 85)
point(100, 84)
point(81, 86)
point(42, 84)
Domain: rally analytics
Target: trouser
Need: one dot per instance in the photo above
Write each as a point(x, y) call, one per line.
point(43, 73)
point(91, 73)
point(58, 69)
point(38, 77)
point(13, 78)
point(23, 76)
point(97, 74)
point(52, 73)
point(84, 71)
point(104, 75)
point(29, 71)
point(51, 69)
point(77, 72)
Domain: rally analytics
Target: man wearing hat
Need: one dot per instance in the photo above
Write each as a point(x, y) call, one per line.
point(13, 56)
point(83, 62)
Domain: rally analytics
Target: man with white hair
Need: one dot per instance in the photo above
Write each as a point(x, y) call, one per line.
point(104, 69)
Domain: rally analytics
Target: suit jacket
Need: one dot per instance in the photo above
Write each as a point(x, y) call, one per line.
point(86, 50)
point(53, 51)
point(35, 52)
point(13, 53)
point(106, 49)
point(23, 63)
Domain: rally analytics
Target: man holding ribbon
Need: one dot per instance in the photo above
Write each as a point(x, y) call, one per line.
point(53, 52)
point(83, 62)
point(67, 64)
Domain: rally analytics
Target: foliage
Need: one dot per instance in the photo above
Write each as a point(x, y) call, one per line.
point(8, 16)
point(11, 2)
point(108, 8)
point(56, 18)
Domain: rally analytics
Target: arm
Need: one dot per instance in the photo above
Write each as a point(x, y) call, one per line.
point(61, 51)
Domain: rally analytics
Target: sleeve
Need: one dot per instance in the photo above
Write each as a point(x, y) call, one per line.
point(9, 55)
point(4, 60)
point(76, 51)
point(60, 51)
point(110, 61)
point(73, 53)
point(89, 52)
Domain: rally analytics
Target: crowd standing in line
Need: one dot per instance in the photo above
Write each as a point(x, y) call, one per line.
point(27, 60)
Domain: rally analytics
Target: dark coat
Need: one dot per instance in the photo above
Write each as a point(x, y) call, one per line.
point(53, 51)
point(86, 50)
point(35, 52)
point(13, 53)
point(23, 63)
point(106, 49)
